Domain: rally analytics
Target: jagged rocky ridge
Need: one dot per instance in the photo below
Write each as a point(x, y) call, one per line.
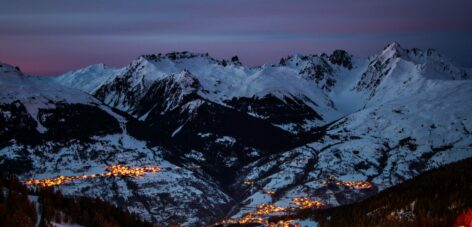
point(286, 127)
point(49, 130)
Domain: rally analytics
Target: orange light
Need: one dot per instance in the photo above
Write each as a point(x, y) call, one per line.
point(112, 170)
point(356, 184)
point(348, 184)
point(264, 211)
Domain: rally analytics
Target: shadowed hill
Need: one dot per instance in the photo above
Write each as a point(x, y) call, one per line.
point(20, 206)
point(436, 198)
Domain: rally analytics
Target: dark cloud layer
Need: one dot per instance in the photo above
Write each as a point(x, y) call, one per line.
point(53, 36)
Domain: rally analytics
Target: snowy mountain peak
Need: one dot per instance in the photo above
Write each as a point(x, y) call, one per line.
point(9, 70)
point(313, 125)
point(96, 66)
point(339, 57)
point(177, 56)
point(392, 51)
point(430, 63)
point(186, 57)
point(399, 72)
point(298, 60)
point(89, 78)
point(12, 80)
point(94, 69)
point(393, 45)
point(4, 65)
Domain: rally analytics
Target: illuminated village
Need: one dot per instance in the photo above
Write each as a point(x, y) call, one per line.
point(111, 171)
point(260, 216)
point(264, 211)
point(355, 184)
point(349, 184)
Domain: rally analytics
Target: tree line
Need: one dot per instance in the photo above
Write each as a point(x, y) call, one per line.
point(17, 208)
point(441, 197)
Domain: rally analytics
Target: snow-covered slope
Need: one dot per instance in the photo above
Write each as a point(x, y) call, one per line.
point(335, 128)
point(17, 86)
point(384, 145)
point(35, 93)
point(48, 130)
point(181, 96)
point(88, 79)
point(221, 82)
point(399, 72)
point(417, 117)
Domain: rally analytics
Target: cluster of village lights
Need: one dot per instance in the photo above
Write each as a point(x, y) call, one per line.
point(111, 171)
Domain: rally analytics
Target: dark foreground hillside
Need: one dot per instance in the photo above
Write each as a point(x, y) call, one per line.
point(442, 197)
point(22, 207)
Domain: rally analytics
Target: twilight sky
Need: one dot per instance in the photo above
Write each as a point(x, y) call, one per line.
point(49, 37)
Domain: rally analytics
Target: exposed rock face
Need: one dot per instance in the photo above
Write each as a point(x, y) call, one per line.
point(17, 125)
point(229, 138)
point(321, 73)
point(276, 111)
point(50, 130)
point(342, 58)
point(75, 121)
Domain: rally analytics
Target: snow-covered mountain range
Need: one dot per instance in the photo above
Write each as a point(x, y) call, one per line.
point(229, 137)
